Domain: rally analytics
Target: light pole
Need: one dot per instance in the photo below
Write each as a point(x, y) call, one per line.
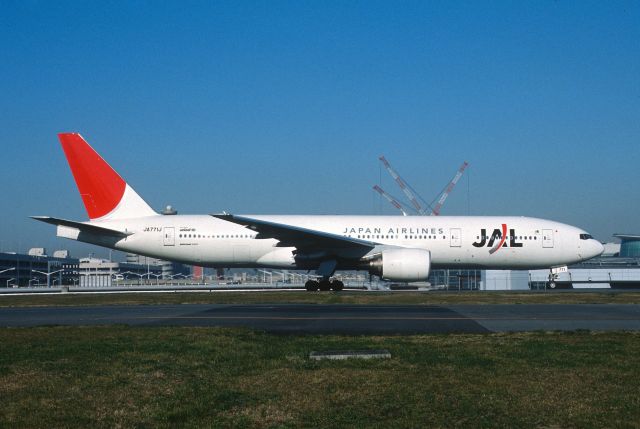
point(140, 276)
point(110, 265)
point(157, 276)
point(177, 275)
point(8, 269)
point(265, 276)
point(48, 274)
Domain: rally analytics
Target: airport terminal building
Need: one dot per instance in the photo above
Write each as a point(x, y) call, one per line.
point(617, 268)
point(37, 269)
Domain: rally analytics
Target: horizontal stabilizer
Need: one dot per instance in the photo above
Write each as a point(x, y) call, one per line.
point(83, 227)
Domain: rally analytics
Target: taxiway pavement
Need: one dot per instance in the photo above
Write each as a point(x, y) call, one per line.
point(341, 318)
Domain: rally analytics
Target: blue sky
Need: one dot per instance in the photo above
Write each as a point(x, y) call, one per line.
point(284, 107)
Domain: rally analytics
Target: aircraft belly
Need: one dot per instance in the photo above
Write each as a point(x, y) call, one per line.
point(277, 257)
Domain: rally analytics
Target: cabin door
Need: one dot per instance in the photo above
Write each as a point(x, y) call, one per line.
point(456, 237)
point(169, 236)
point(547, 238)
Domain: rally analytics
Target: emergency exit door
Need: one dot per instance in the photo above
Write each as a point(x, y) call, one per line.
point(169, 236)
point(456, 237)
point(547, 238)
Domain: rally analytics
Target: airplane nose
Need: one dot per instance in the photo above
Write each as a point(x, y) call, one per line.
point(599, 248)
point(590, 249)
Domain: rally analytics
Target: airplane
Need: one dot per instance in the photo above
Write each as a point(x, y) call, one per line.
point(395, 248)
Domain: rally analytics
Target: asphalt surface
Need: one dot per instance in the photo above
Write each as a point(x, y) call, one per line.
point(341, 319)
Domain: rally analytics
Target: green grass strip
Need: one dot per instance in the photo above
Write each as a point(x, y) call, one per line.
point(80, 377)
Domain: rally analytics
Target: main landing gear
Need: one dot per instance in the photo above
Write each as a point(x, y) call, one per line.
point(324, 285)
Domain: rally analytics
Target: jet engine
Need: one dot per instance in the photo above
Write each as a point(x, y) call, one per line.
point(402, 265)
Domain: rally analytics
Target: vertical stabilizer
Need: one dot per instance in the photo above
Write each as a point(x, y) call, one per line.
point(104, 193)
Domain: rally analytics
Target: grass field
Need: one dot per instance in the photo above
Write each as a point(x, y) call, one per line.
point(270, 297)
point(212, 377)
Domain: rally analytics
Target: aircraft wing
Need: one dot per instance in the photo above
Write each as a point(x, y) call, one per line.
point(295, 236)
point(86, 227)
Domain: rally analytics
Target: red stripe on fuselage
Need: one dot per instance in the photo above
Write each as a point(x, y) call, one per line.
point(504, 237)
point(101, 188)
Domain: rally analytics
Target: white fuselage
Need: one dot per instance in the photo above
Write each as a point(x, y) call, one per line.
point(393, 247)
point(454, 241)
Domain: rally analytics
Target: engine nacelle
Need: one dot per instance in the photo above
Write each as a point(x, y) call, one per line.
point(402, 265)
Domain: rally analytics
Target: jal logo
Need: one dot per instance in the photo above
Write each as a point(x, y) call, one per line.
point(498, 239)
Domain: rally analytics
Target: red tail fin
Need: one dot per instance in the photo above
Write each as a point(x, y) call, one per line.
point(101, 188)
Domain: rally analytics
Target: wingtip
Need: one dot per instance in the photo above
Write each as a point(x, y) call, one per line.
point(45, 219)
point(221, 215)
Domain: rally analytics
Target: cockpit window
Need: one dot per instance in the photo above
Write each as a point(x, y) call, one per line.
point(585, 236)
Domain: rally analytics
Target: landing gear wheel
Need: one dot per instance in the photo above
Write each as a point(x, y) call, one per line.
point(311, 285)
point(337, 285)
point(325, 285)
